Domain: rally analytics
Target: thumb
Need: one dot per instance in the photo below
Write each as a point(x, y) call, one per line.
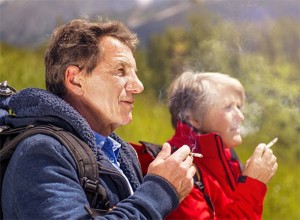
point(247, 162)
point(165, 151)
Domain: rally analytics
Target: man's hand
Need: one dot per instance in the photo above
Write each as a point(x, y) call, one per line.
point(177, 169)
point(261, 165)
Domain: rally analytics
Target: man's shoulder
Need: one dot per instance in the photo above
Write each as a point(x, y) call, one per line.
point(42, 141)
point(40, 146)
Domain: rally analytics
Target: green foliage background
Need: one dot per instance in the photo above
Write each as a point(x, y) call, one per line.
point(265, 57)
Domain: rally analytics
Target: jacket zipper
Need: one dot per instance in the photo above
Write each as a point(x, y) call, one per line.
point(220, 148)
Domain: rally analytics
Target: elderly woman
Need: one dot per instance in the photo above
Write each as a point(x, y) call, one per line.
point(206, 115)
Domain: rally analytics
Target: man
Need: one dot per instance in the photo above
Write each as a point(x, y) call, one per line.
point(91, 81)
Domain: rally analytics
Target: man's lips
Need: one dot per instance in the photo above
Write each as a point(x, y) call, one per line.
point(129, 102)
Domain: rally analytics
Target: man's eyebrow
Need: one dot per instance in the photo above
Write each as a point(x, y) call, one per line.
point(125, 64)
point(121, 63)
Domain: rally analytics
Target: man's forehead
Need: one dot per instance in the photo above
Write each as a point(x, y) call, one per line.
point(114, 52)
point(112, 43)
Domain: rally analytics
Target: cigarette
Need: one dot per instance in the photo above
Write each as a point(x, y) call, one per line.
point(195, 155)
point(271, 143)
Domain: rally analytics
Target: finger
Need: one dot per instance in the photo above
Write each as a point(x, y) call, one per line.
point(275, 167)
point(192, 171)
point(182, 153)
point(165, 151)
point(247, 162)
point(273, 160)
point(259, 150)
point(267, 155)
point(188, 162)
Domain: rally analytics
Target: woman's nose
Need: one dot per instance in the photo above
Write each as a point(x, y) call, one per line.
point(240, 114)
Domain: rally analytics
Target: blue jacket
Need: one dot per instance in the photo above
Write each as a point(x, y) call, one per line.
point(41, 180)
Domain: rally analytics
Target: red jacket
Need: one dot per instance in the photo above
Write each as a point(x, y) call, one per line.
point(226, 194)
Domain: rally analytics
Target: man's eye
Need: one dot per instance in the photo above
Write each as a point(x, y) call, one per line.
point(120, 72)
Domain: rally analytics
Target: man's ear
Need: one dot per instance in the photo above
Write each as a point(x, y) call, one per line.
point(73, 80)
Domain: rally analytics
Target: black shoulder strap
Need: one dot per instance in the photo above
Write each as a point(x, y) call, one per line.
point(235, 157)
point(85, 159)
point(152, 149)
point(200, 185)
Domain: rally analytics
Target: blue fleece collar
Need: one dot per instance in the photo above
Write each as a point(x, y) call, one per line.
point(33, 102)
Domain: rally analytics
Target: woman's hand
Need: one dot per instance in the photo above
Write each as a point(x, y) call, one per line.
point(261, 165)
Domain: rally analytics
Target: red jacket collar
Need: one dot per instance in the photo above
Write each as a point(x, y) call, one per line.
point(215, 157)
point(210, 145)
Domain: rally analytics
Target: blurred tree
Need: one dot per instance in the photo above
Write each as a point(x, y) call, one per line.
point(166, 55)
point(281, 42)
point(179, 49)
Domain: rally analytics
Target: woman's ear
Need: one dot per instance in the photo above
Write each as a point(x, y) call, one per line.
point(73, 80)
point(194, 123)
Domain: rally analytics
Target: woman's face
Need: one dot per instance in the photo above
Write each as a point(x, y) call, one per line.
point(225, 117)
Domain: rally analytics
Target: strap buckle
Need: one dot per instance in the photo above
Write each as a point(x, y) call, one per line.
point(90, 185)
point(6, 90)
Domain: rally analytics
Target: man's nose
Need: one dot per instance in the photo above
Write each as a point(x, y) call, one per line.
point(134, 85)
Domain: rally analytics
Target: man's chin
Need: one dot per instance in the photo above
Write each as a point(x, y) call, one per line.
point(127, 120)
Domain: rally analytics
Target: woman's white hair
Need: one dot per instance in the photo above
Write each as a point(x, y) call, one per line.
point(192, 94)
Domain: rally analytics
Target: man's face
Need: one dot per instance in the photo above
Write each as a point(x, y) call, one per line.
point(108, 98)
point(225, 117)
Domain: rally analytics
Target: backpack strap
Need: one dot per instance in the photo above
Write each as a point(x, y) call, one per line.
point(152, 149)
point(83, 156)
point(200, 185)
